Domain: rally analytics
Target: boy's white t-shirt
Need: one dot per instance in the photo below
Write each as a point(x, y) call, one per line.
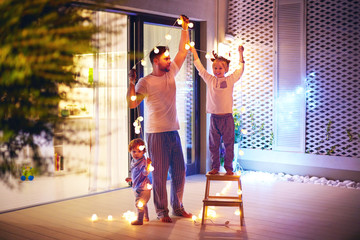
point(160, 101)
point(219, 96)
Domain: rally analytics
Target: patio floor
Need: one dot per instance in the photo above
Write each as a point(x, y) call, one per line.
point(273, 210)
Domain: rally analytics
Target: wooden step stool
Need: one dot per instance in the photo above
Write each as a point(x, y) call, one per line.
point(225, 201)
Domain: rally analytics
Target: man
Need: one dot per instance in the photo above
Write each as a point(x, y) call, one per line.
point(158, 89)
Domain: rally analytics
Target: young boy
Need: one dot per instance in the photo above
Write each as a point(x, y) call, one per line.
point(140, 169)
point(219, 102)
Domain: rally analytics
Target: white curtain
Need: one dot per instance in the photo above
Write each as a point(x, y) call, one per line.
point(109, 165)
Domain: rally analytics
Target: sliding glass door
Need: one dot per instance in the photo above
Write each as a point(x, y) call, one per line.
point(151, 35)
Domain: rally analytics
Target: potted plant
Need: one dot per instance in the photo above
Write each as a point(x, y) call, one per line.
point(238, 138)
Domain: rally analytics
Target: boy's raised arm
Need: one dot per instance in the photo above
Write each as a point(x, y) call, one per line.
point(241, 58)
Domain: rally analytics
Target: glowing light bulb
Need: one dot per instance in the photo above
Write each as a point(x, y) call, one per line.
point(242, 109)
point(243, 131)
point(191, 25)
point(140, 204)
point(166, 53)
point(129, 216)
point(187, 46)
point(151, 168)
point(237, 212)
point(211, 213)
point(192, 44)
point(194, 218)
point(156, 50)
point(141, 148)
point(110, 218)
point(94, 217)
point(135, 124)
point(179, 21)
point(239, 192)
point(149, 186)
point(207, 55)
point(143, 62)
point(137, 131)
point(133, 98)
point(168, 37)
point(238, 173)
point(140, 118)
point(241, 152)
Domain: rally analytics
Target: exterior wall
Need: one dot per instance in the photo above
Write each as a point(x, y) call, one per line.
point(329, 129)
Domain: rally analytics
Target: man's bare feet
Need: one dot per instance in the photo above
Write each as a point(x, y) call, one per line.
point(136, 222)
point(213, 171)
point(165, 218)
point(229, 172)
point(182, 213)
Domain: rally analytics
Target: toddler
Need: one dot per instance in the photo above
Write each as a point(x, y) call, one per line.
point(140, 169)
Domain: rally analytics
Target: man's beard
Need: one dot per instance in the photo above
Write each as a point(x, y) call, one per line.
point(165, 69)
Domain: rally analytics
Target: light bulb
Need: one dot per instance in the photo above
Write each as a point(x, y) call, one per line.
point(211, 213)
point(168, 37)
point(239, 192)
point(179, 21)
point(110, 218)
point(166, 53)
point(156, 50)
point(193, 218)
point(143, 62)
point(187, 46)
point(140, 118)
point(151, 168)
point(133, 98)
point(140, 204)
point(137, 131)
point(192, 44)
point(237, 212)
point(207, 55)
point(94, 217)
point(149, 186)
point(241, 152)
point(191, 25)
point(129, 216)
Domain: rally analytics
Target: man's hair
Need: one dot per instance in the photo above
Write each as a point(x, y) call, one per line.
point(136, 143)
point(161, 49)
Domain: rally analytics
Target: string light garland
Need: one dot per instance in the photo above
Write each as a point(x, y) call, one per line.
point(168, 37)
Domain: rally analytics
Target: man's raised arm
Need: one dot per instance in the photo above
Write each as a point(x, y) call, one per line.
point(181, 55)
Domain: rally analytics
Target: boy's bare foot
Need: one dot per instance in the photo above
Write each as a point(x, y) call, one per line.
point(213, 171)
point(165, 218)
point(229, 172)
point(136, 222)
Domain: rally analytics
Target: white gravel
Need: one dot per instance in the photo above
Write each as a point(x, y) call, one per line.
point(270, 177)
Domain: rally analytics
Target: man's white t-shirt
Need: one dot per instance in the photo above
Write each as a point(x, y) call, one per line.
point(160, 101)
